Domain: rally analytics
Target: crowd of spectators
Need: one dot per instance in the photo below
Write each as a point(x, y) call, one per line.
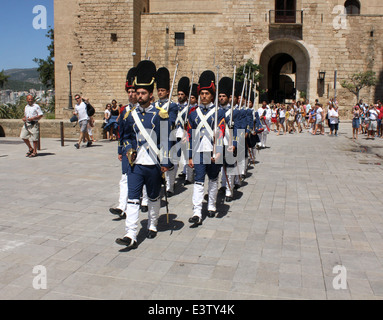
point(296, 116)
point(111, 115)
point(367, 119)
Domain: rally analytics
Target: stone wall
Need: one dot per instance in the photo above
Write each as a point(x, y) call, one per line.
point(104, 38)
point(98, 38)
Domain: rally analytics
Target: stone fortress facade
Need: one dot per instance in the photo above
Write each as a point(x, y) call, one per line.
point(295, 42)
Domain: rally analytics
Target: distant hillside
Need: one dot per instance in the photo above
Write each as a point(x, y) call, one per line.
point(23, 79)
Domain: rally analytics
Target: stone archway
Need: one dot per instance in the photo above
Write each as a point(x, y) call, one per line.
point(274, 58)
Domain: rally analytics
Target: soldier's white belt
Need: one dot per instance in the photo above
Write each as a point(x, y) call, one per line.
point(204, 121)
point(145, 133)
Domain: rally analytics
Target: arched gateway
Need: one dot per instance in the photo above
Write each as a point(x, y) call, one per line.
point(285, 65)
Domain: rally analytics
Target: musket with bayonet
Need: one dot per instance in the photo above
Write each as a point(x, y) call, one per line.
point(243, 91)
point(216, 114)
point(167, 106)
point(188, 106)
point(232, 99)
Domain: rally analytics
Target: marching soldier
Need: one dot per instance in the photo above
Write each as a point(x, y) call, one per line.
point(255, 128)
point(241, 145)
point(183, 111)
point(163, 91)
point(230, 140)
point(120, 210)
point(264, 113)
point(145, 126)
point(206, 146)
point(194, 97)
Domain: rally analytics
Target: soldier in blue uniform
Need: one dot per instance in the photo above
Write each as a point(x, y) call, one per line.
point(163, 91)
point(183, 111)
point(228, 170)
point(132, 97)
point(242, 124)
point(194, 97)
point(147, 130)
point(206, 129)
point(255, 128)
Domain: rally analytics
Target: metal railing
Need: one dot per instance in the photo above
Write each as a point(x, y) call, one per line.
point(286, 16)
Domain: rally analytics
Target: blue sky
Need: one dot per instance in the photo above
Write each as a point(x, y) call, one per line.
point(20, 39)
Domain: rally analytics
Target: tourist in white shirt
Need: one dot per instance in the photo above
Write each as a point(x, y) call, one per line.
point(319, 119)
point(83, 118)
point(30, 131)
point(333, 118)
point(281, 119)
point(264, 113)
point(308, 109)
point(373, 114)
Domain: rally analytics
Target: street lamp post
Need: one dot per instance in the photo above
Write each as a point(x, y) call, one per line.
point(70, 68)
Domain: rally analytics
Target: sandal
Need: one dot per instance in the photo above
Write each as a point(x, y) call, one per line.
point(29, 152)
point(32, 155)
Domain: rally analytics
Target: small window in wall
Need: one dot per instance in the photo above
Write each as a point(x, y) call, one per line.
point(352, 7)
point(179, 39)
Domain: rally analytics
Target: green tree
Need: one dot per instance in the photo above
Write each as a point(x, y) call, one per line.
point(252, 71)
point(3, 79)
point(14, 111)
point(46, 67)
point(358, 81)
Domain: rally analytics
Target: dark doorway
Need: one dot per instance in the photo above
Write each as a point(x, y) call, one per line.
point(285, 11)
point(282, 71)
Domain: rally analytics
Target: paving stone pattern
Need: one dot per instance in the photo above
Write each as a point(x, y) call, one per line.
point(309, 204)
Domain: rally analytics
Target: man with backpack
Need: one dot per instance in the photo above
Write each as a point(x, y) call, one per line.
point(81, 110)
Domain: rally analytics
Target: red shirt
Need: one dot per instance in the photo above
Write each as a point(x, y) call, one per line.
point(381, 113)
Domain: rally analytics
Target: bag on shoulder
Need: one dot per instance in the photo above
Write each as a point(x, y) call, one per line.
point(90, 110)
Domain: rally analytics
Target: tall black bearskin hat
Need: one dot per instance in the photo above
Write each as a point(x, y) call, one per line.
point(184, 85)
point(207, 82)
point(194, 91)
point(226, 86)
point(163, 78)
point(145, 76)
point(130, 79)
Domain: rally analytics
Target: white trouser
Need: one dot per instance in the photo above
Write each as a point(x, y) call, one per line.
point(213, 192)
point(131, 221)
point(263, 135)
point(230, 172)
point(123, 193)
point(170, 177)
point(145, 199)
point(198, 194)
point(153, 214)
point(132, 217)
point(263, 139)
point(241, 166)
point(188, 172)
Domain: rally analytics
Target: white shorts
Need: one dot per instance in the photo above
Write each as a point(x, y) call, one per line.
point(30, 131)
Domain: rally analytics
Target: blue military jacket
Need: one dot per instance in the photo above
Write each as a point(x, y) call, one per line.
point(156, 123)
point(172, 111)
point(237, 122)
point(197, 130)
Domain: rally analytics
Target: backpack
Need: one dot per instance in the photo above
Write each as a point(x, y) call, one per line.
point(90, 110)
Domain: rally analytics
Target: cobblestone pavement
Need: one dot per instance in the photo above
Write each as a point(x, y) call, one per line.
point(310, 204)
